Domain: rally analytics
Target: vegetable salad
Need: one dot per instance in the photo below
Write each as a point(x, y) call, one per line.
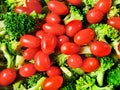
point(59, 45)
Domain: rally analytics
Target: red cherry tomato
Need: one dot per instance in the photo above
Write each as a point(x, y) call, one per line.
point(30, 41)
point(48, 43)
point(74, 61)
point(34, 5)
point(73, 27)
point(53, 71)
point(7, 76)
point(52, 83)
point(56, 29)
point(114, 22)
point(27, 70)
point(103, 5)
point(94, 16)
point(100, 48)
point(84, 36)
point(52, 18)
point(29, 53)
point(62, 39)
point(69, 48)
point(41, 61)
point(74, 2)
point(40, 34)
point(90, 64)
point(21, 9)
point(58, 7)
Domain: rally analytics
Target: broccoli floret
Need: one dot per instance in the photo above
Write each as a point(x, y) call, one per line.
point(17, 25)
point(14, 3)
point(87, 5)
point(32, 83)
point(105, 64)
point(86, 82)
point(105, 32)
point(113, 76)
point(115, 9)
point(7, 55)
point(74, 14)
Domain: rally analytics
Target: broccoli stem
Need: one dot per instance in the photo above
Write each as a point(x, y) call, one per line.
point(10, 58)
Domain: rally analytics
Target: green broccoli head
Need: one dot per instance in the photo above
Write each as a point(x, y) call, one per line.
point(17, 25)
point(105, 64)
point(14, 3)
point(113, 76)
point(74, 14)
point(105, 32)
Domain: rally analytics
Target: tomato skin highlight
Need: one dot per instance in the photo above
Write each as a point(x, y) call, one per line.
point(42, 61)
point(48, 43)
point(53, 71)
point(103, 5)
point(40, 34)
point(100, 48)
point(73, 27)
point(74, 2)
point(90, 64)
point(21, 9)
point(94, 16)
point(52, 18)
point(7, 76)
point(27, 70)
point(56, 29)
point(74, 61)
point(114, 22)
point(29, 53)
point(52, 83)
point(30, 41)
point(34, 5)
point(69, 48)
point(84, 36)
point(58, 7)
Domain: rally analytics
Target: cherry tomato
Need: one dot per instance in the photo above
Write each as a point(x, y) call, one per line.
point(84, 36)
point(103, 5)
point(30, 41)
point(73, 27)
point(27, 70)
point(74, 2)
point(58, 7)
point(94, 16)
point(114, 22)
point(52, 83)
point(74, 61)
point(48, 43)
point(34, 5)
point(53, 71)
point(69, 48)
point(21, 9)
point(90, 64)
point(29, 53)
point(41, 61)
point(52, 18)
point(100, 48)
point(40, 34)
point(7, 76)
point(56, 29)
point(62, 39)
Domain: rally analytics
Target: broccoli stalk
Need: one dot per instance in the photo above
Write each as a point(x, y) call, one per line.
point(113, 76)
point(105, 64)
point(7, 55)
point(86, 82)
point(32, 83)
point(74, 14)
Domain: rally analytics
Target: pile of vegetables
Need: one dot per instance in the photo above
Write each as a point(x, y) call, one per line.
point(59, 45)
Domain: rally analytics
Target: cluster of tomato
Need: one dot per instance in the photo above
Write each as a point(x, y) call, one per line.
point(68, 39)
